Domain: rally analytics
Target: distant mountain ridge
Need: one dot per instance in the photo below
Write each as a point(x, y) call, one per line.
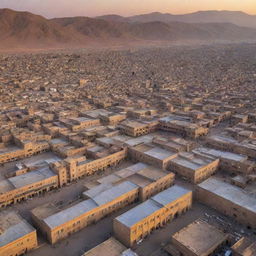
point(24, 29)
point(236, 17)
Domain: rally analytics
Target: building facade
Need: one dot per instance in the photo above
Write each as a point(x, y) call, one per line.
point(57, 224)
point(229, 200)
point(16, 235)
point(139, 222)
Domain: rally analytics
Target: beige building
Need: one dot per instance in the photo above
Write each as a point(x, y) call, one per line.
point(244, 247)
point(244, 147)
point(193, 167)
point(229, 162)
point(24, 149)
point(140, 113)
point(139, 128)
point(112, 118)
point(110, 247)
point(16, 235)
point(198, 239)
point(150, 180)
point(58, 223)
point(140, 221)
point(78, 167)
point(229, 200)
point(173, 143)
point(182, 126)
point(29, 184)
point(152, 155)
point(80, 123)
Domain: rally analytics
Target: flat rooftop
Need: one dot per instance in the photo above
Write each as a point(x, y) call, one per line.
point(114, 192)
point(104, 196)
point(133, 124)
point(90, 193)
point(152, 205)
point(191, 161)
point(12, 227)
point(112, 178)
point(70, 213)
point(155, 152)
point(110, 247)
point(58, 141)
point(141, 174)
point(32, 177)
point(221, 154)
point(5, 186)
point(142, 139)
point(200, 237)
point(96, 113)
point(9, 149)
point(175, 118)
point(230, 192)
point(220, 138)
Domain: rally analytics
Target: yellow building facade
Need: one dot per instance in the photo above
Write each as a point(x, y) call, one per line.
point(57, 224)
point(19, 242)
point(139, 222)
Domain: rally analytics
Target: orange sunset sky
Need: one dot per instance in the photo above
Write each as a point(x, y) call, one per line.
point(60, 8)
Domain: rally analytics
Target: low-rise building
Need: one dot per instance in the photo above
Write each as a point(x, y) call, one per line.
point(193, 167)
point(245, 147)
point(110, 247)
point(229, 162)
point(140, 113)
point(29, 184)
point(229, 200)
point(140, 221)
point(112, 118)
point(150, 180)
point(17, 236)
point(138, 128)
point(198, 239)
point(79, 123)
point(182, 126)
point(153, 155)
point(57, 223)
point(78, 167)
point(244, 247)
point(173, 143)
point(23, 149)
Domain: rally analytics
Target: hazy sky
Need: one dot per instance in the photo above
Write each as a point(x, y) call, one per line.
point(60, 8)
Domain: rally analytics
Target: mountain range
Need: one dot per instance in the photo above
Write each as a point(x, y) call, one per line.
point(26, 30)
point(236, 17)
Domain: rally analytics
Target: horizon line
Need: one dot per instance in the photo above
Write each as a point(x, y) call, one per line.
point(109, 14)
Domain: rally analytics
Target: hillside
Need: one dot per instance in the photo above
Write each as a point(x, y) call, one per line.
point(27, 29)
point(237, 18)
point(24, 30)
